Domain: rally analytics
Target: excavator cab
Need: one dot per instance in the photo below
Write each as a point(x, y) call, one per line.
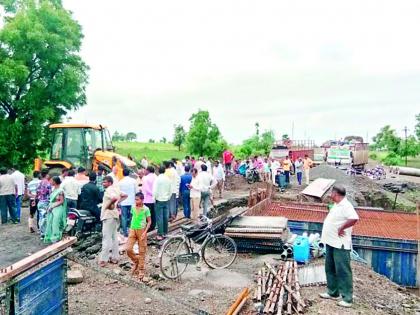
point(75, 145)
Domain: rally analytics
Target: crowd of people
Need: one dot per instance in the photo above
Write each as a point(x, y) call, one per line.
point(269, 169)
point(133, 204)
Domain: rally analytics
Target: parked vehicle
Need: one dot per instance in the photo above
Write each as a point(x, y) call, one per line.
point(86, 145)
point(80, 222)
point(218, 251)
point(252, 176)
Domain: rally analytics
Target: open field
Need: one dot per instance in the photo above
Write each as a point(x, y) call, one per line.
point(411, 162)
point(155, 152)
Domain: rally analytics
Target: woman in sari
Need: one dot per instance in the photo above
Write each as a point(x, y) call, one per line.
point(57, 214)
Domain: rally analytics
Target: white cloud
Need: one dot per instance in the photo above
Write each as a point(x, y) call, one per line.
point(333, 68)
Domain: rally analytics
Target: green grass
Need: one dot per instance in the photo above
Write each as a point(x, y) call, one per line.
point(155, 152)
point(411, 162)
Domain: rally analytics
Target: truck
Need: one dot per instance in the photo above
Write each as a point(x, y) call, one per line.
point(292, 148)
point(355, 154)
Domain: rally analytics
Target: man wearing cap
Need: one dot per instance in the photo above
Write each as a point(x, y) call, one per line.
point(336, 235)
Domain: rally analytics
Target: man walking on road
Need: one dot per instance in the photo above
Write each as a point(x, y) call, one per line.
point(110, 222)
point(336, 234)
point(219, 176)
point(206, 184)
point(8, 192)
point(307, 164)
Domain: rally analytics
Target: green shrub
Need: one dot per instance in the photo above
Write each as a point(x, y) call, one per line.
point(392, 159)
point(373, 156)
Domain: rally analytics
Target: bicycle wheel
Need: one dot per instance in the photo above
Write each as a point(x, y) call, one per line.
point(169, 266)
point(219, 252)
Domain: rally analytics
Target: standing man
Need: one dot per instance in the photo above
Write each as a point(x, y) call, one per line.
point(90, 197)
point(33, 201)
point(19, 179)
point(81, 176)
point(8, 193)
point(307, 164)
point(336, 234)
point(275, 165)
point(219, 176)
point(206, 184)
point(144, 162)
point(184, 191)
point(128, 186)
point(298, 170)
point(287, 164)
point(172, 175)
point(162, 192)
point(147, 190)
point(71, 189)
point(110, 222)
point(227, 161)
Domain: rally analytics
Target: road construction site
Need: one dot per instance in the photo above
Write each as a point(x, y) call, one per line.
point(201, 290)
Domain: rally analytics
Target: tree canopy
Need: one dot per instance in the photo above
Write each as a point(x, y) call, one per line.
point(387, 139)
point(42, 76)
point(179, 136)
point(130, 136)
point(204, 137)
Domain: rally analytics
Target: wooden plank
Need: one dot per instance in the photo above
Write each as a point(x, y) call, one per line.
point(34, 259)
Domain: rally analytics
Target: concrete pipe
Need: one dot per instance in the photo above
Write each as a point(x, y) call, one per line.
point(411, 171)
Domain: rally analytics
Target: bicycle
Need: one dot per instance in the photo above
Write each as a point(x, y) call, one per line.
point(218, 251)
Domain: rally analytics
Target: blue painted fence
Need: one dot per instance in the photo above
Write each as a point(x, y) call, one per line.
point(395, 259)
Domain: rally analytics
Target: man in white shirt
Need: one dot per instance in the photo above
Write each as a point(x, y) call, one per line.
point(219, 176)
point(8, 192)
point(128, 186)
point(206, 183)
point(71, 188)
point(275, 165)
point(144, 162)
point(162, 192)
point(336, 235)
point(19, 180)
point(175, 180)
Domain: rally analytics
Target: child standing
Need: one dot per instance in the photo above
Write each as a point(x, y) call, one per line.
point(140, 223)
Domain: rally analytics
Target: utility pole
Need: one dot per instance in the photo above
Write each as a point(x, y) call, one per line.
point(406, 148)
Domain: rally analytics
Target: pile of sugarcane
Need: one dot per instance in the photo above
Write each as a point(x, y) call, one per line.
point(278, 290)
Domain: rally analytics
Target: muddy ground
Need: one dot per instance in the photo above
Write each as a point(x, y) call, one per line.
point(213, 291)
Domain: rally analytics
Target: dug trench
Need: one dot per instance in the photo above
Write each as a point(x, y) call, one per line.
point(112, 290)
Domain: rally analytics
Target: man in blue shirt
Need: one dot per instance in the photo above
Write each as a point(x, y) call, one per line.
point(184, 191)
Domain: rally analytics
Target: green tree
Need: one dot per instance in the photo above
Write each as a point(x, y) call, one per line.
point(204, 137)
point(118, 136)
point(411, 148)
point(257, 128)
point(267, 141)
point(387, 139)
point(256, 145)
point(42, 76)
point(131, 136)
point(163, 140)
point(151, 141)
point(179, 136)
point(417, 126)
point(285, 137)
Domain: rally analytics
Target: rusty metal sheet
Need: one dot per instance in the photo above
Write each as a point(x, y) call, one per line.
point(319, 187)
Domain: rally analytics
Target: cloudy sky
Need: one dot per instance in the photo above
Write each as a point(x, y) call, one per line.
point(317, 69)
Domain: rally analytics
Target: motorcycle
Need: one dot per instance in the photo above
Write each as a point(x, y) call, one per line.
point(80, 222)
point(252, 176)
